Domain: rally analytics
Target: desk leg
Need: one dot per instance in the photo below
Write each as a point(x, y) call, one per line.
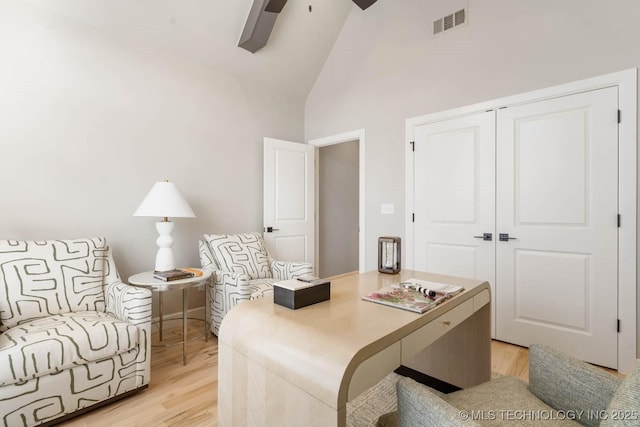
point(184, 326)
point(160, 312)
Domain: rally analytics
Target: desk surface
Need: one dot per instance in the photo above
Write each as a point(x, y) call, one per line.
point(318, 348)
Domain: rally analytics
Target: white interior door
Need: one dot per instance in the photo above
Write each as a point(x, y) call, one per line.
point(557, 199)
point(454, 170)
point(289, 200)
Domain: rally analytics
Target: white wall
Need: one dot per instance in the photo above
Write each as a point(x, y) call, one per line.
point(386, 67)
point(88, 122)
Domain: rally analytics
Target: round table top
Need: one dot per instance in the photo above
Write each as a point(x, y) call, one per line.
point(146, 280)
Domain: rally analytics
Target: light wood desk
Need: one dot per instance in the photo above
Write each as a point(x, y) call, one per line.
point(281, 367)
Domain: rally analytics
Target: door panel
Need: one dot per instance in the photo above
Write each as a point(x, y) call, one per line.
point(454, 197)
point(289, 200)
point(550, 156)
point(563, 275)
point(453, 260)
point(556, 191)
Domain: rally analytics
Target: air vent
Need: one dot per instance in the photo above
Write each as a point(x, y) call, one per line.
point(450, 21)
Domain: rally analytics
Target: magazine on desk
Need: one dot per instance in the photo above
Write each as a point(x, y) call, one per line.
point(413, 294)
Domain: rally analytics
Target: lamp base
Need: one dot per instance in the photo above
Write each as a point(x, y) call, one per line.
point(164, 258)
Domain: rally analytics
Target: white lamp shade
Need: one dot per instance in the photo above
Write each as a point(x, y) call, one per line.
point(164, 200)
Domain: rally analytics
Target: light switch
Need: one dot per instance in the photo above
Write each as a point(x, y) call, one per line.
point(387, 209)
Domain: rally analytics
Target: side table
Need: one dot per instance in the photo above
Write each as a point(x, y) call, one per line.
point(146, 280)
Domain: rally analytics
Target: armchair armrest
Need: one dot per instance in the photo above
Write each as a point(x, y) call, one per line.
point(240, 281)
point(224, 292)
point(565, 383)
point(285, 270)
point(132, 304)
point(129, 303)
point(417, 406)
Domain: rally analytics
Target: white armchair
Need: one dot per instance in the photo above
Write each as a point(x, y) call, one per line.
point(243, 271)
point(72, 335)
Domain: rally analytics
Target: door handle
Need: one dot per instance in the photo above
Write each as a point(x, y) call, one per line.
point(504, 237)
point(271, 229)
point(487, 237)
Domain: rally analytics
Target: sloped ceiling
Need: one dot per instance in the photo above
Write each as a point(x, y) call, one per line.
point(207, 31)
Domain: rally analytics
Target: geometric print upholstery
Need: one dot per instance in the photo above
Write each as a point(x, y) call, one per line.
point(240, 253)
point(46, 398)
point(231, 288)
point(52, 344)
point(52, 277)
point(72, 334)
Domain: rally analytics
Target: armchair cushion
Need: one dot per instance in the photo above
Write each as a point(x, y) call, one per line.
point(505, 401)
point(624, 408)
point(568, 384)
point(53, 344)
point(417, 406)
point(240, 253)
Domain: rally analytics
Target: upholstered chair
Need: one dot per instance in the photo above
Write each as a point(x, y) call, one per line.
point(72, 335)
point(561, 391)
point(243, 271)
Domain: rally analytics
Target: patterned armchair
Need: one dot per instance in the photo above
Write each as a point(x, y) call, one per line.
point(243, 271)
point(72, 335)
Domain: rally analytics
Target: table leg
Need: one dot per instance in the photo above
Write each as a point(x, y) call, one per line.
point(206, 310)
point(160, 312)
point(184, 326)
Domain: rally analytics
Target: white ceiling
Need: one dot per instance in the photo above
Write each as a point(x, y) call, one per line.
point(207, 31)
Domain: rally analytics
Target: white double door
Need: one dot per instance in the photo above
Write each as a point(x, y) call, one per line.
point(526, 197)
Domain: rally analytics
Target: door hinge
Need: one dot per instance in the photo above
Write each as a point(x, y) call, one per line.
point(619, 116)
point(618, 325)
point(619, 220)
point(413, 217)
point(413, 145)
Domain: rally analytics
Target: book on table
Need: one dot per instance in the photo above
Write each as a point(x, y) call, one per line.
point(175, 274)
point(413, 294)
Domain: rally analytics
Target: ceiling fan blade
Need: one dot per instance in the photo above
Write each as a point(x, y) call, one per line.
point(363, 4)
point(275, 6)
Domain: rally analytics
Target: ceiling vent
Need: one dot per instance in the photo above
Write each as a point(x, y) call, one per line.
point(449, 22)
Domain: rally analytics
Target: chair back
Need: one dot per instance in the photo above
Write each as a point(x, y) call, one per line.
point(41, 278)
point(240, 253)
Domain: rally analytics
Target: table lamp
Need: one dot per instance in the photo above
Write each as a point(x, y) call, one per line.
point(164, 200)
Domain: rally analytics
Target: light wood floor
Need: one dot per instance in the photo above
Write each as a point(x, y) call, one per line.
point(187, 395)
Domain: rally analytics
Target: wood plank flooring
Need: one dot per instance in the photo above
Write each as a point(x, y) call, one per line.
point(181, 396)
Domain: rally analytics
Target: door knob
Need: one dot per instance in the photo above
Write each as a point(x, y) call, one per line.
point(504, 237)
point(271, 229)
point(487, 237)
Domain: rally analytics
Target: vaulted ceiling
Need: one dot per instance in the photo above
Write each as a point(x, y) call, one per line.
point(207, 31)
